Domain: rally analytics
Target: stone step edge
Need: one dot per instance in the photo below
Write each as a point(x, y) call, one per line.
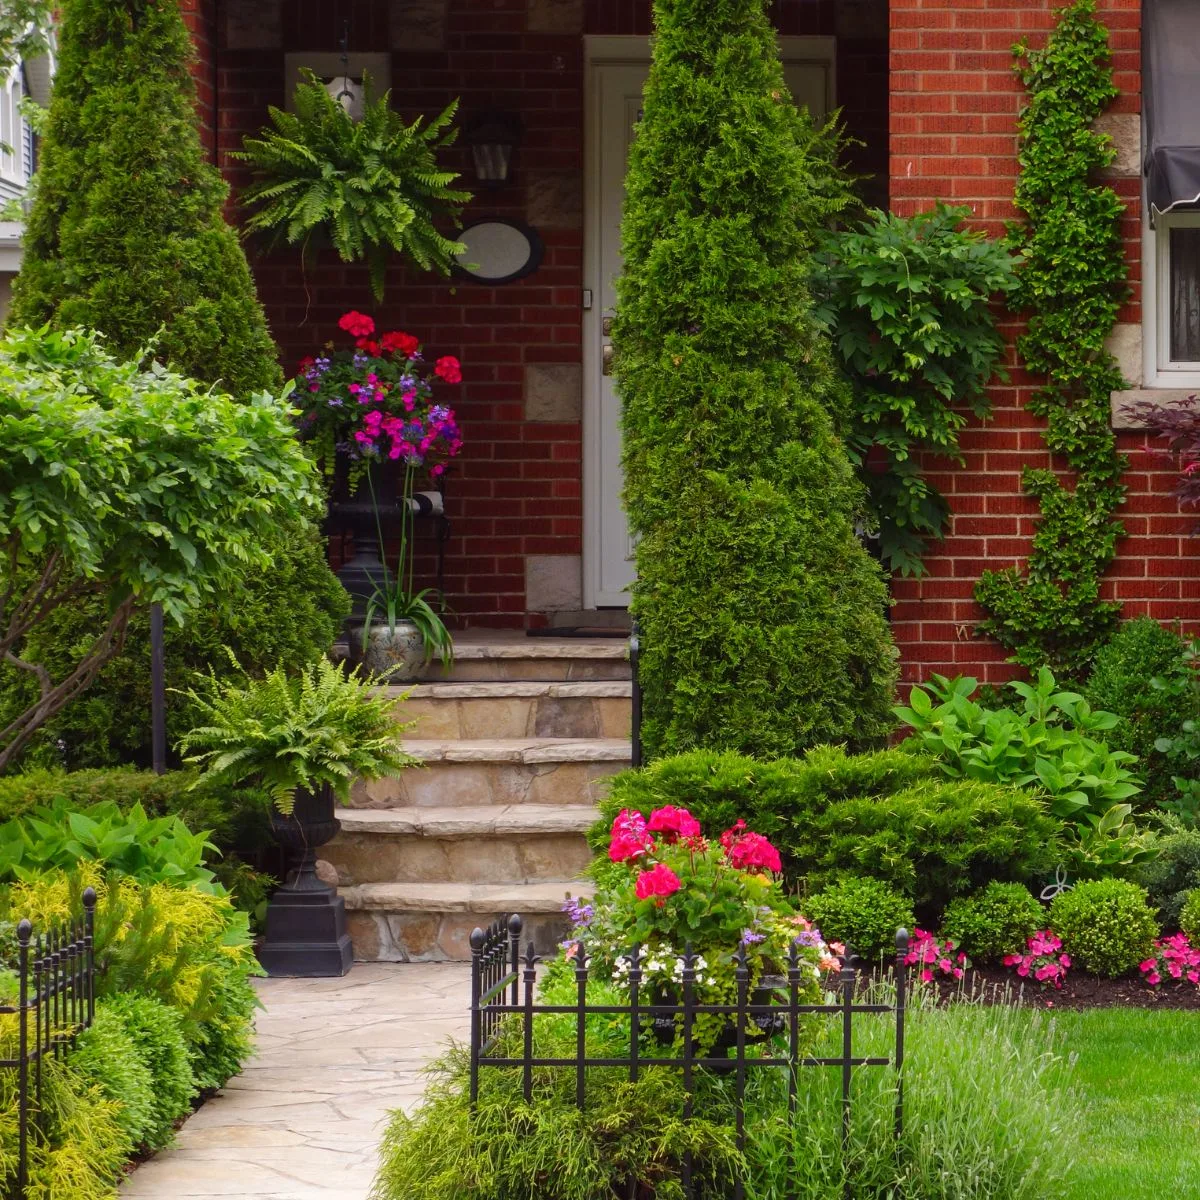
point(508, 820)
point(484, 898)
point(503, 689)
point(542, 648)
point(527, 751)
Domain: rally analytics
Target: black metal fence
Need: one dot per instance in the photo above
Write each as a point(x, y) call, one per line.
point(56, 1001)
point(502, 988)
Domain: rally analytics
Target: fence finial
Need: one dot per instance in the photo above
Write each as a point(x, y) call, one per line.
point(89, 897)
point(25, 932)
point(901, 940)
point(515, 925)
point(478, 937)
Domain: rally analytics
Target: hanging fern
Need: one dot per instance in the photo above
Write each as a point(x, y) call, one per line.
point(370, 188)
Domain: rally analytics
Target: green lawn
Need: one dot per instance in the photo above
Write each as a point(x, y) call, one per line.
point(1137, 1078)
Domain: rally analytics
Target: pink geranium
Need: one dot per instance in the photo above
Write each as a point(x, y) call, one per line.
point(629, 836)
point(750, 851)
point(658, 882)
point(356, 324)
point(674, 822)
point(448, 369)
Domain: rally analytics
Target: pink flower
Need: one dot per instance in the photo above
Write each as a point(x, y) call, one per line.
point(660, 881)
point(356, 324)
point(402, 343)
point(630, 838)
point(448, 368)
point(675, 822)
point(752, 852)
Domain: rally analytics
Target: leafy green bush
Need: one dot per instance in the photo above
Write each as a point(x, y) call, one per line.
point(58, 837)
point(372, 188)
point(906, 301)
point(863, 913)
point(1189, 915)
point(1172, 873)
point(155, 1031)
point(1143, 675)
point(130, 251)
point(1107, 926)
point(287, 614)
point(762, 616)
point(995, 921)
point(1046, 745)
point(887, 815)
point(107, 1057)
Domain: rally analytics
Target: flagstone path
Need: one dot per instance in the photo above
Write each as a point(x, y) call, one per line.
point(304, 1119)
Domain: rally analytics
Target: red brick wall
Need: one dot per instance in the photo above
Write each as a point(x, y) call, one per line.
point(516, 490)
point(954, 105)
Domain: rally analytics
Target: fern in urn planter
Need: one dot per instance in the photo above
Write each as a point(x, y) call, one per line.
point(370, 188)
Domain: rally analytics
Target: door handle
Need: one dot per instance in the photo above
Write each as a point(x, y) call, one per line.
point(606, 358)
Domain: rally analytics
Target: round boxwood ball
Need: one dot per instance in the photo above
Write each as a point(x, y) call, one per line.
point(995, 921)
point(865, 913)
point(1107, 926)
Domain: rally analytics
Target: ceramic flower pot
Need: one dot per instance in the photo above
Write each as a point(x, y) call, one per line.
point(397, 652)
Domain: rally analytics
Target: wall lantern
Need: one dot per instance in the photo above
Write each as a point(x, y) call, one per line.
point(493, 137)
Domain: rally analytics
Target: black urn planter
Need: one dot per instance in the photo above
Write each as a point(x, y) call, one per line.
point(362, 517)
point(760, 1025)
point(306, 919)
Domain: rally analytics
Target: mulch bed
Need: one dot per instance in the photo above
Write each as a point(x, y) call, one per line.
point(1078, 991)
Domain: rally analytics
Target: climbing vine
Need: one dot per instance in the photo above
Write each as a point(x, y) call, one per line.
point(1072, 283)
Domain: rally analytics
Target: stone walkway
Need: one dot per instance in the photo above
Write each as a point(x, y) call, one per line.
point(303, 1121)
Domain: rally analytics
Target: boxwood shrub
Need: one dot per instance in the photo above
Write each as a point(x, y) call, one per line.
point(995, 921)
point(865, 913)
point(1107, 926)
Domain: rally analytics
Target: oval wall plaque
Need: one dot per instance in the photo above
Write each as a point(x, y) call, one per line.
point(499, 251)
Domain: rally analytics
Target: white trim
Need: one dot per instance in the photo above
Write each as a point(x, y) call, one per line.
point(1158, 371)
point(600, 49)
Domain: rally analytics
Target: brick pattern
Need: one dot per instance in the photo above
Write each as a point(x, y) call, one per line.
point(954, 105)
point(515, 493)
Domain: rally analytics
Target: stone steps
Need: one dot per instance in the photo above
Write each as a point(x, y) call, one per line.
point(493, 844)
point(479, 771)
point(516, 745)
point(429, 922)
point(517, 709)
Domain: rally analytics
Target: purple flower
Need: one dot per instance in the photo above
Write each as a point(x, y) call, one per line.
point(579, 913)
point(749, 937)
point(810, 937)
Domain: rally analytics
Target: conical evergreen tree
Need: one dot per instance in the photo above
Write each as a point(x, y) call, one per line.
point(126, 234)
point(762, 617)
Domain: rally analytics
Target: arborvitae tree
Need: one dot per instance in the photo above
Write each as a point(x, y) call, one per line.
point(762, 616)
point(126, 234)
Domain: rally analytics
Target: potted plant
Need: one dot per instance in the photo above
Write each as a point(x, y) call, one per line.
point(370, 414)
point(371, 188)
point(304, 739)
point(668, 887)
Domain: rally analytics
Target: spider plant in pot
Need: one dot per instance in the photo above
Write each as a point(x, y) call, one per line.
point(401, 632)
point(305, 739)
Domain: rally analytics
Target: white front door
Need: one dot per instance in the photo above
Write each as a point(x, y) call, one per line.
point(617, 70)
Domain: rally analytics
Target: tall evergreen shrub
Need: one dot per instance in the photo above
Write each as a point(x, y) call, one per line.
point(126, 234)
point(762, 617)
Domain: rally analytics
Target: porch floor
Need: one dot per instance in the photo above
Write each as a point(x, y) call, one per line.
point(304, 1119)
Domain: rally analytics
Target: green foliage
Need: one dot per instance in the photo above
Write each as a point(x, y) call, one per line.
point(863, 913)
point(372, 188)
point(106, 1056)
point(1189, 915)
point(127, 233)
point(22, 31)
point(993, 922)
point(156, 1033)
point(762, 617)
point(1107, 926)
point(128, 485)
point(1043, 745)
point(1072, 284)
point(1143, 674)
point(286, 615)
point(887, 815)
point(149, 849)
point(219, 1046)
point(1172, 873)
point(321, 728)
point(984, 1096)
point(906, 302)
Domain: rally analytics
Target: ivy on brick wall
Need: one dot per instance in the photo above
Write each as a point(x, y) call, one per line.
point(1071, 283)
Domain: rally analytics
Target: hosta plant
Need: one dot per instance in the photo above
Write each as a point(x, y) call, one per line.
point(372, 188)
point(321, 727)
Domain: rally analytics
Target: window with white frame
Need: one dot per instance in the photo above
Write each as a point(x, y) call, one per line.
point(1172, 300)
point(12, 130)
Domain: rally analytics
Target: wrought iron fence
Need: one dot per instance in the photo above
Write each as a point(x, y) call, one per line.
point(56, 1001)
point(502, 987)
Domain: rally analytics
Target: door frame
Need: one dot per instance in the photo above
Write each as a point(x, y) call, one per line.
point(601, 50)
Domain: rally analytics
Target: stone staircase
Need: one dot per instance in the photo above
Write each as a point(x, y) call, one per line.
point(516, 743)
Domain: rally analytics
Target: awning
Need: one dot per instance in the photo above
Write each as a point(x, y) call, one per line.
point(1171, 97)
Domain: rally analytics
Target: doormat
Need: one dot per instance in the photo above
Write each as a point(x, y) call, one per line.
point(579, 631)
